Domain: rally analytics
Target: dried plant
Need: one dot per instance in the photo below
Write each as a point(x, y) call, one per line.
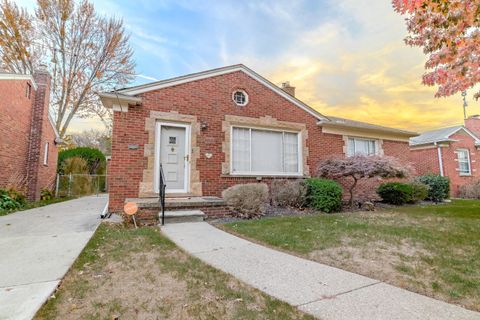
point(247, 200)
point(288, 193)
point(17, 181)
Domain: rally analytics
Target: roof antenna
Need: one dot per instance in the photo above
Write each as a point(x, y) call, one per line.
point(465, 104)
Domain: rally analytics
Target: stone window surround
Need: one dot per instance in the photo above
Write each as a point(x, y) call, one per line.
point(146, 188)
point(266, 122)
point(378, 142)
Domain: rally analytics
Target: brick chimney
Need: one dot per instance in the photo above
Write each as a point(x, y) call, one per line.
point(472, 123)
point(40, 104)
point(288, 88)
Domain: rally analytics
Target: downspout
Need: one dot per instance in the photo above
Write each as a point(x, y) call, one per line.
point(440, 159)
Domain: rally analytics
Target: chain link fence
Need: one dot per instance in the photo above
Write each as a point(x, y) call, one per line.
point(80, 184)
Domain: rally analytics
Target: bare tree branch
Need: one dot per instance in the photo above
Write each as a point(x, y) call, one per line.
point(86, 53)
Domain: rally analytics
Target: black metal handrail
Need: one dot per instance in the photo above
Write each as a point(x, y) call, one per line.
point(161, 193)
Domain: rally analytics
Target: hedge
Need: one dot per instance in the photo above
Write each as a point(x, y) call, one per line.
point(95, 159)
point(439, 187)
point(395, 193)
point(324, 194)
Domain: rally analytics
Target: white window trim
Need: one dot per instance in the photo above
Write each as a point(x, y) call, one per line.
point(469, 162)
point(377, 145)
point(45, 155)
point(299, 173)
point(246, 97)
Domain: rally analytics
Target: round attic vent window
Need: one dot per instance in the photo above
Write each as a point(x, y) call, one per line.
point(240, 98)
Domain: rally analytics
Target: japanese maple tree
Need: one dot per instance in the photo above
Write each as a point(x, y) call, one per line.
point(448, 32)
point(362, 167)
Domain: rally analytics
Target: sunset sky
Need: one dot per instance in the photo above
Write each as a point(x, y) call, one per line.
point(346, 57)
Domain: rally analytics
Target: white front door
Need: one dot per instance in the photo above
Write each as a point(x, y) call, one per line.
point(174, 157)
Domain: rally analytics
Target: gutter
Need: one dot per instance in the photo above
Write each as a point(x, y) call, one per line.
point(118, 101)
point(392, 131)
point(105, 213)
point(440, 159)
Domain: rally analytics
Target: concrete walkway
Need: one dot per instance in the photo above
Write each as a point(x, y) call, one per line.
point(317, 289)
point(37, 247)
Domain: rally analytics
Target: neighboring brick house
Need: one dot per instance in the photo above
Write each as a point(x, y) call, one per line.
point(452, 152)
point(213, 129)
point(28, 143)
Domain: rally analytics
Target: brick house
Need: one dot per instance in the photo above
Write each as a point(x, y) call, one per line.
point(213, 129)
point(452, 152)
point(28, 144)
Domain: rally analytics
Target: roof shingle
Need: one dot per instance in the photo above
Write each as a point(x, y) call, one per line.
point(439, 135)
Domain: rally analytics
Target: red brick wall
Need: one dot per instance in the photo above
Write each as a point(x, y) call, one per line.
point(39, 175)
point(397, 149)
point(450, 165)
point(47, 172)
point(366, 189)
point(426, 161)
point(23, 139)
point(210, 100)
point(473, 124)
point(15, 114)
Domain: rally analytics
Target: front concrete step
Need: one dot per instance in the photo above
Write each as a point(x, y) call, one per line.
point(180, 216)
point(180, 203)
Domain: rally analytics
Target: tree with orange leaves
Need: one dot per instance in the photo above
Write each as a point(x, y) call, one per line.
point(448, 32)
point(84, 53)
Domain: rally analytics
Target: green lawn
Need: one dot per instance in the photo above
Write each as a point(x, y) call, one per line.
point(35, 204)
point(430, 249)
point(139, 274)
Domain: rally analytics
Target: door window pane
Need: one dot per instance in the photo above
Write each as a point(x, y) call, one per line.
point(241, 150)
point(266, 151)
point(290, 151)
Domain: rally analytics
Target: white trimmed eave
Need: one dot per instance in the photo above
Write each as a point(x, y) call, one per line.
point(16, 76)
point(447, 140)
point(118, 102)
point(217, 72)
point(374, 133)
point(471, 134)
point(437, 143)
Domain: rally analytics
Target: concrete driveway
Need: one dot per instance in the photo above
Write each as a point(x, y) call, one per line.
point(37, 247)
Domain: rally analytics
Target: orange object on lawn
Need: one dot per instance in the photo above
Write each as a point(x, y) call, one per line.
point(130, 208)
